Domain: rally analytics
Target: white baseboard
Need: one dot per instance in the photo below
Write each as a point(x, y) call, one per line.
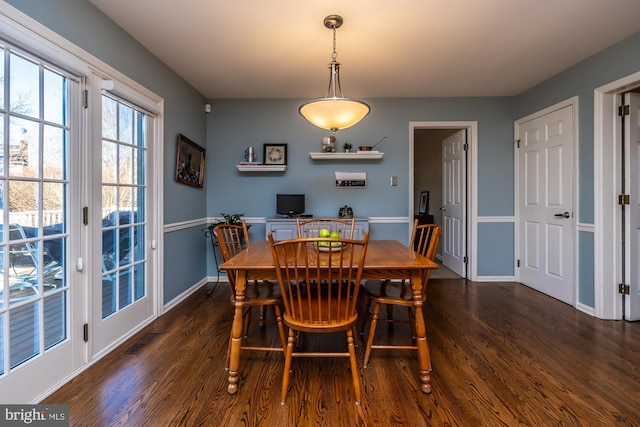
point(496, 279)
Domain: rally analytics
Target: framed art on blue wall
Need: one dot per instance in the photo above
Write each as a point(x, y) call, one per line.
point(190, 162)
point(424, 203)
point(274, 154)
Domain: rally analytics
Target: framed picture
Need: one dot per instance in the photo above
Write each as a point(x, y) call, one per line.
point(424, 203)
point(190, 162)
point(274, 154)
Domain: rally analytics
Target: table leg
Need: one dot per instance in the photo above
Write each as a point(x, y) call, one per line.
point(236, 332)
point(424, 360)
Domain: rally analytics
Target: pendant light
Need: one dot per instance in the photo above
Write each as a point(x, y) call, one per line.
point(334, 111)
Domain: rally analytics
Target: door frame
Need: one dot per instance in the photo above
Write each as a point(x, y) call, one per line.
point(572, 102)
point(607, 160)
point(471, 185)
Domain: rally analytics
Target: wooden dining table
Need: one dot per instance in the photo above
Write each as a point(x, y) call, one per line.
point(385, 259)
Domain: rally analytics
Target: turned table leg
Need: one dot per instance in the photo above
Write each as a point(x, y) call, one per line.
point(424, 361)
point(236, 332)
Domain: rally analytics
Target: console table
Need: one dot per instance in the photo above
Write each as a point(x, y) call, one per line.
point(286, 228)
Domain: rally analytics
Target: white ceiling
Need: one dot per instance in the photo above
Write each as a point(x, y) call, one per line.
point(399, 48)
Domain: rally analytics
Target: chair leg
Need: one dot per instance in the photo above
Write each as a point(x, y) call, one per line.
point(412, 323)
point(247, 321)
point(354, 366)
point(354, 330)
point(286, 376)
point(283, 340)
point(366, 316)
point(372, 332)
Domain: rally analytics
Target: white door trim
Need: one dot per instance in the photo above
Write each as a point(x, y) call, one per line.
point(606, 186)
point(472, 183)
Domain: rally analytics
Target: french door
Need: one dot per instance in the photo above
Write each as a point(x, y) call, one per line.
point(122, 295)
point(78, 270)
point(40, 295)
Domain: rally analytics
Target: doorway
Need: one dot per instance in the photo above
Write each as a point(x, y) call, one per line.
point(427, 174)
point(612, 252)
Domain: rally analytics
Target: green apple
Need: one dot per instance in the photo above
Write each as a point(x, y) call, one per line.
point(324, 232)
point(323, 243)
point(334, 235)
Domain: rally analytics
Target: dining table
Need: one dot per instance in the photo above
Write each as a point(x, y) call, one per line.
point(385, 259)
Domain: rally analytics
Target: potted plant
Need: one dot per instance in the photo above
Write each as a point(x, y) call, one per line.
point(347, 147)
point(233, 219)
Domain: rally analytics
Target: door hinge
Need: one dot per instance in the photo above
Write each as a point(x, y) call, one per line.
point(517, 141)
point(624, 289)
point(85, 98)
point(518, 263)
point(85, 215)
point(465, 260)
point(623, 199)
point(85, 332)
point(623, 110)
point(465, 147)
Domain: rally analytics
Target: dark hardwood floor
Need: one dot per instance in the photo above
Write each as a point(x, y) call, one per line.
point(502, 355)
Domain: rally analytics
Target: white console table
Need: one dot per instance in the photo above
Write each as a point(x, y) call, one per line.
point(286, 228)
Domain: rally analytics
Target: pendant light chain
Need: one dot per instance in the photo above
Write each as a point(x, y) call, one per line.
point(334, 55)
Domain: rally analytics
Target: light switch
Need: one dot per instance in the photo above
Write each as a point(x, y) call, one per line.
point(394, 181)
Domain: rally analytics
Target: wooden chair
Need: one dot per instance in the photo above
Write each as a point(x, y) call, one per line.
point(425, 239)
point(310, 227)
point(328, 306)
point(231, 240)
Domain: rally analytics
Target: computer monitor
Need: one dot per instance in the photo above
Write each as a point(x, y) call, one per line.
point(290, 204)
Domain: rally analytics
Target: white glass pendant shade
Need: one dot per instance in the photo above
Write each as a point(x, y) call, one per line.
point(334, 113)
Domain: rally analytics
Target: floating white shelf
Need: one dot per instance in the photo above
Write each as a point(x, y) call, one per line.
point(363, 155)
point(261, 168)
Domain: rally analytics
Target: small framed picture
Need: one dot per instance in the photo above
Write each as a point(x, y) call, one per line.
point(274, 154)
point(190, 162)
point(424, 203)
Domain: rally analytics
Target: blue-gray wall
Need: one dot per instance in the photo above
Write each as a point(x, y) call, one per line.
point(614, 63)
point(235, 124)
point(85, 26)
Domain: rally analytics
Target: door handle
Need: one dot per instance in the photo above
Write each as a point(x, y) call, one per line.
point(443, 209)
point(563, 215)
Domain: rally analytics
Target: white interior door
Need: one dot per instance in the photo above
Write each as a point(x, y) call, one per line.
point(632, 214)
point(453, 200)
point(545, 203)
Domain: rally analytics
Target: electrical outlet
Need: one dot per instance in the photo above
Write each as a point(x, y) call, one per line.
point(394, 181)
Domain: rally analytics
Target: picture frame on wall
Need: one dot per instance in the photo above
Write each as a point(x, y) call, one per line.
point(424, 203)
point(190, 162)
point(274, 154)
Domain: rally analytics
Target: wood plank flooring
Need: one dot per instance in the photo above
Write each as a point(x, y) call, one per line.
point(502, 355)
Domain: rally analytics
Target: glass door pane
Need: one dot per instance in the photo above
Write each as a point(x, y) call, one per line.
point(34, 186)
point(124, 197)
